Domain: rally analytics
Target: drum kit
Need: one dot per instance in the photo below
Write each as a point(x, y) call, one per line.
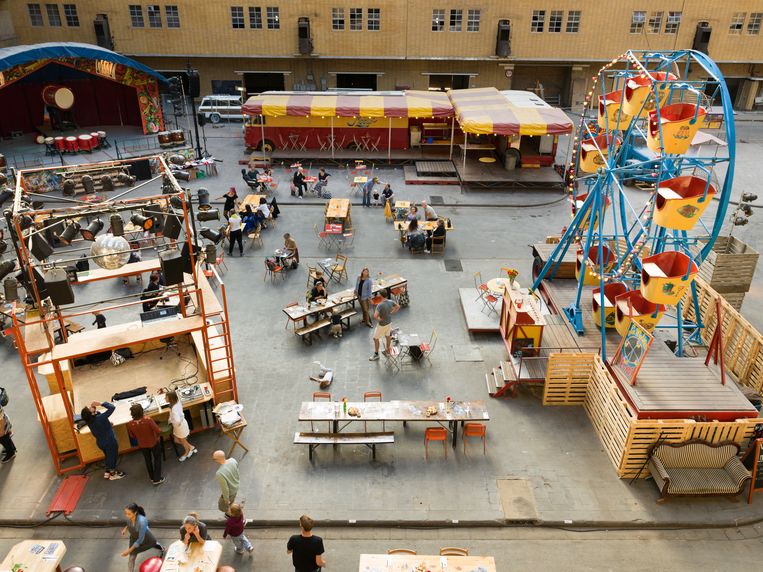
point(71, 144)
point(171, 138)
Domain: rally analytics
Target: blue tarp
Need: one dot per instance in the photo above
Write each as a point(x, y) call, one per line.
point(16, 55)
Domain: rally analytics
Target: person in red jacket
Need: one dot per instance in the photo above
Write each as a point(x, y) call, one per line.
point(234, 527)
point(146, 432)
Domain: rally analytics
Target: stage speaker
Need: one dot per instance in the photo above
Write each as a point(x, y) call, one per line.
point(10, 289)
point(22, 276)
point(194, 83)
point(141, 170)
point(503, 39)
point(58, 286)
point(171, 262)
point(172, 225)
point(40, 247)
point(186, 254)
point(702, 37)
point(303, 35)
point(103, 31)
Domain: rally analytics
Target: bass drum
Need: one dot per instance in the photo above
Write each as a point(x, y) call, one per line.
point(58, 96)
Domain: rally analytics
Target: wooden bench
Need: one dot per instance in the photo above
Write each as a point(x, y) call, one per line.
point(370, 440)
point(306, 332)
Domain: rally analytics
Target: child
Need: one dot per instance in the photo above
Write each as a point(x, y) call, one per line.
point(336, 324)
point(234, 526)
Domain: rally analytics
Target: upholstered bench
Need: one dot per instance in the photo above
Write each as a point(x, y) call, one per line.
point(697, 468)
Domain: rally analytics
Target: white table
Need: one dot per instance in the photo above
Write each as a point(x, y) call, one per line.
point(195, 559)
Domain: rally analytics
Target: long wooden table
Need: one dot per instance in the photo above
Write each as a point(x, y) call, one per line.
point(427, 225)
point(407, 411)
point(252, 200)
point(338, 209)
point(408, 562)
point(300, 313)
point(131, 269)
point(27, 556)
point(196, 559)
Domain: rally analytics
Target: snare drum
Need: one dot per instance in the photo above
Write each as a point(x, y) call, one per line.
point(71, 145)
point(85, 143)
point(96, 140)
point(164, 138)
point(177, 136)
point(40, 139)
point(60, 144)
point(49, 141)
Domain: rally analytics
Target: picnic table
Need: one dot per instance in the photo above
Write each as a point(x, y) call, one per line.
point(406, 411)
point(338, 209)
point(253, 200)
point(196, 559)
point(35, 556)
point(432, 563)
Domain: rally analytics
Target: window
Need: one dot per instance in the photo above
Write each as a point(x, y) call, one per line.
point(274, 19)
point(136, 16)
point(255, 17)
point(655, 23)
point(573, 21)
point(753, 24)
point(473, 21)
point(555, 21)
point(637, 22)
point(539, 19)
point(237, 17)
point(356, 19)
point(456, 17)
point(154, 15)
point(173, 16)
point(374, 19)
point(737, 23)
point(337, 18)
point(54, 16)
point(35, 14)
point(673, 22)
point(70, 12)
point(438, 20)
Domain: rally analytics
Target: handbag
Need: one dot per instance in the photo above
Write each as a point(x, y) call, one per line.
point(3, 397)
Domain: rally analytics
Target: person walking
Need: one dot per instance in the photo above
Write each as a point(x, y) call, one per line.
point(306, 549)
point(228, 478)
point(235, 234)
point(368, 189)
point(363, 291)
point(141, 537)
point(146, 432)
point(234, 527)
point(6, 437)
point(231, 197)
point(291, 245)
point(383, 316)
point(180, 430)
point(103, 432)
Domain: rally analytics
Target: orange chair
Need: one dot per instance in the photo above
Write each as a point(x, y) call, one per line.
point(401, 551)
point(435, 434)
point(490, 302)
point(481, 286)
point(321, 396)
point(475, 430)
point(454, 551)
point(275, 270)
point(367, 396)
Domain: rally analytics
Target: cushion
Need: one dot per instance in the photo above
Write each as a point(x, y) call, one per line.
point(700, 481)
point(696, 455)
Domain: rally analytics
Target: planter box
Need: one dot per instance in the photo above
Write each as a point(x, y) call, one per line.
point(730, 266)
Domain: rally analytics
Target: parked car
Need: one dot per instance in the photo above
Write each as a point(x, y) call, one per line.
point(215, 108)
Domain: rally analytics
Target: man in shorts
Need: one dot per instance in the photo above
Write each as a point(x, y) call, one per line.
point(383, 316)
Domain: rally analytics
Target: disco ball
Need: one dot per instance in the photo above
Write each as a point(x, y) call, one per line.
point(110, 252)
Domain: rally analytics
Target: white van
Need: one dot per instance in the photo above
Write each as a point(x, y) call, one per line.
point(215, 108)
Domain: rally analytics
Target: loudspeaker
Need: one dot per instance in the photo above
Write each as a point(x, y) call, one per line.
point(58, 286)
point(171, 262)
point(303, 35)
point(702, 37)
point(186, 254)
point(10, 289)
point(40, 248)
point(172, 225)
point(194, 84)
point(201, 119)
point(503, 39)
point(141, 170)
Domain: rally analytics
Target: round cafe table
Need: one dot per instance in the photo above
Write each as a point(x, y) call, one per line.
point(497, 285)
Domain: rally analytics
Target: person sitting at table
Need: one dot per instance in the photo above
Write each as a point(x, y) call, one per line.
point(413, 214)
point(318, 293)
point(291, 245)
point(415, 237)
point(323, 180)
point(151, 291)
point(438, 231)
point(387, 194)
point(230, 201)
point(135, 256)
point(429, 213)
point(299, 182)
point(249, 219)
point(319, 277)
point(193, 530)
point(263, 211)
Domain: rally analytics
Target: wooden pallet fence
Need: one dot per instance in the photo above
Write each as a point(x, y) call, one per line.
point(741, 341)
point(567, 378)
point(608, 411)
point(729, 266)
point(644, 433)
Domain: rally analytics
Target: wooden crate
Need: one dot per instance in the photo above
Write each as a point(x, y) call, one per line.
point(567, 378)
point(734, 299)
point(729, 267)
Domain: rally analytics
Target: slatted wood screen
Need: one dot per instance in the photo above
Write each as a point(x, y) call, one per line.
point(730, 265)
point(741, 341)
point(567, 378)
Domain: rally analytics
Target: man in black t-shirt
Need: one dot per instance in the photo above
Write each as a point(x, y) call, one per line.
point(306, 549)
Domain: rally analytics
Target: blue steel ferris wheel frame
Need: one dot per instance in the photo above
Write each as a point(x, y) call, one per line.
point(628, 229)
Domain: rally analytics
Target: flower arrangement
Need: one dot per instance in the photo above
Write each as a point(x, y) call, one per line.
point(512, 273)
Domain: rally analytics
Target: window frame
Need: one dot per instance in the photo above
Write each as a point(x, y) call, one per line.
point(573, 20)
point(255, 17)
point(538, 21)
point(237, 21)
point(376, 20)
point(56, 21)
point(356, 20)
point(753, 23)
point(473, 19)
point(555, 21)
point(137, 19)
point(172, 16)
point(636, 26)
point(71, 15)
point(153, 11)
point(673, 22)
point(455, 20)
point(338, 21)
point(654, 22)
point(273, 17)
point(438, 13)
point(737, 21)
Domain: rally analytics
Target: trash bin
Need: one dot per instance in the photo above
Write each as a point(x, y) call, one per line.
point(510, 161)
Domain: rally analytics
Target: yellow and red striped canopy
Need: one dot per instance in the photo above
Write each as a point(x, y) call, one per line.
point(487, 111)
point(370, 104)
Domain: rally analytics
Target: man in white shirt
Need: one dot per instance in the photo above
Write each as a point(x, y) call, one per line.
point(235, 234)
point(429, 213)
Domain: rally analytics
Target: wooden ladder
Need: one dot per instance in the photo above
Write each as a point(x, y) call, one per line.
point(218, 350)
point(502, 380)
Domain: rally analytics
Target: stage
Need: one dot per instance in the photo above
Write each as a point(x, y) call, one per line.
point(479, 175)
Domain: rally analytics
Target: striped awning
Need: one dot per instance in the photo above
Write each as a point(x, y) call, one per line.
point(367, 104)
point(487, 111)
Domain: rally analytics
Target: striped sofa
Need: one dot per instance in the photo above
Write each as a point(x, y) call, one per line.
point(697, 468)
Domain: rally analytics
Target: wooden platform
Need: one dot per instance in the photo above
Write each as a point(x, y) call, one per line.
point(413, 178)
point(435, 168)
point(476, 320)
point(543, 252)
point(494, 176)
point(342, 156)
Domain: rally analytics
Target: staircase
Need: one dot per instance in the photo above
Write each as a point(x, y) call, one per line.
point(502, 381)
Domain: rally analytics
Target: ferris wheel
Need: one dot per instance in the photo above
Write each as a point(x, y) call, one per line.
point(638, 250)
